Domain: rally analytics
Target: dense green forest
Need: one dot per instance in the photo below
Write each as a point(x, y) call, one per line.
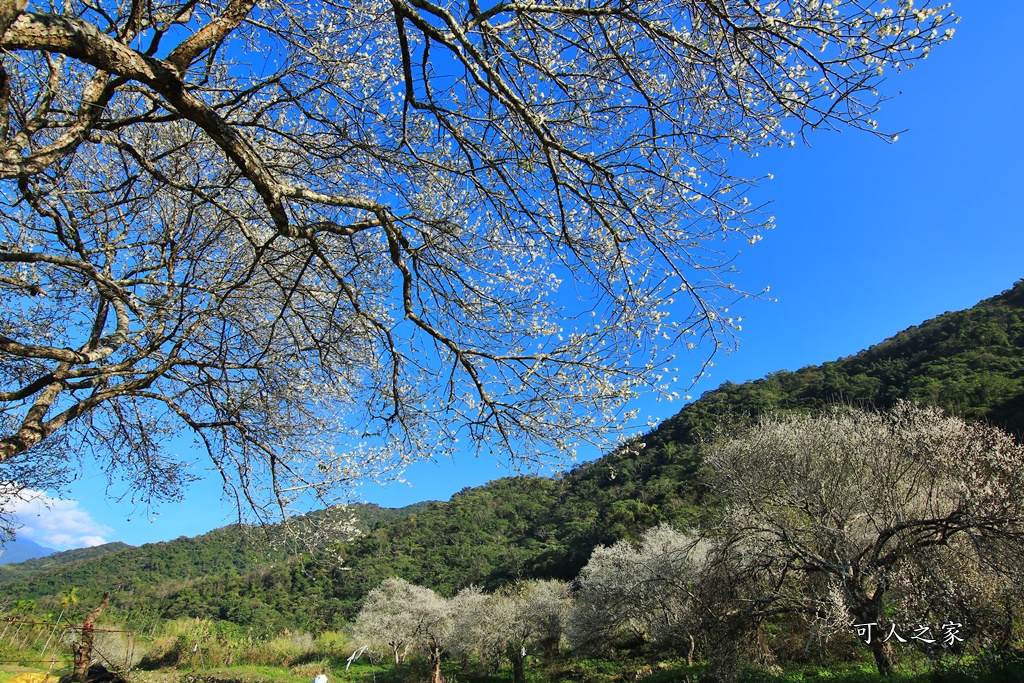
point(141, 577)
point(969, 362)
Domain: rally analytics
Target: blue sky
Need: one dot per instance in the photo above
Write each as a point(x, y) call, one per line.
point(870, 239)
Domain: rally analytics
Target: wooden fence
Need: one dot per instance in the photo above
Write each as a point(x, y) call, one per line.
point(20, 644)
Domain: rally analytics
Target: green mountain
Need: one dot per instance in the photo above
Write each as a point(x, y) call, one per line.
point(968, 362)
point(971, 363)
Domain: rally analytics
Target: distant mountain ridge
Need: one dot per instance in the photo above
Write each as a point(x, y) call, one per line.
point(968, 362)
point(22, 550)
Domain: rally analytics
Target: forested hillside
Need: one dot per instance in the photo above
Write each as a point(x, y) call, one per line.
point(154, 580)
point(969, 362)
point(9, 572)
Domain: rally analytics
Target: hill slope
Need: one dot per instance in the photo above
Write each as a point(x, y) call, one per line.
point(39, 564)
point(158, 570)
point(968, 362)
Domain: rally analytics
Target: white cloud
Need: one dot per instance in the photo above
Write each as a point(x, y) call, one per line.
point(55, 523)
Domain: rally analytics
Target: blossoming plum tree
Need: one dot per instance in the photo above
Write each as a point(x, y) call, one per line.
point(399, 616)
point(328, 237)
point(881, 517)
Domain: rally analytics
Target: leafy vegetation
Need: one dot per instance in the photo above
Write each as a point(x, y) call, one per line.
point(970, 363)
point(233, 574)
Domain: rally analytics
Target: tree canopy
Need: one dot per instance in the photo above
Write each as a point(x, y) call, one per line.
point(329, 237)
point(881, 517)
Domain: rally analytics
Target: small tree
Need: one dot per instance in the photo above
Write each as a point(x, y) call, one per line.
point(521, 618)
point(384, 623)
point(647, 590)
point(401, 616)
point(528, 615)
point(469, 636)
point(879, 506)
point(83, 649)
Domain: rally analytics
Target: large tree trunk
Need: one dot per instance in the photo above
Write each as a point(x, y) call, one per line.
point(517, 655)
point(435, 665)
point(881, 652)
point(866, 610)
